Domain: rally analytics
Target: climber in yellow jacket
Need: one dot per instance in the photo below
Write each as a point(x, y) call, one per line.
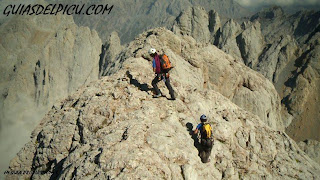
point(206, 140)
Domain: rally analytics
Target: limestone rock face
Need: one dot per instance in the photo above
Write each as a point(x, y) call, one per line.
point(227, 40)
point(193, 22)
point(214, 22)
point(251, 43)
point(43, 59)
point(110, 50)
point(311, 148)
point(114, 129)
point(277, 57)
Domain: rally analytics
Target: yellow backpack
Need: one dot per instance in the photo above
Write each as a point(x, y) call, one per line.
point(206, 131)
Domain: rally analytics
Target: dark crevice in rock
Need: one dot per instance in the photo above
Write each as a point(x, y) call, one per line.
point(263, 53)
point(80, 128)
point(223, 174)
point(225, 118)
point(100, 94)
point(135, 51)
point(241, 46)
point(58, 169)
point(103, 63)
point(121, 171)
point(38, 63)
point(75, 103)
point(182, 172)
point(246, 85)
point(74, 173)
point(217, 37)
point(125, 135)
point(5, 94)
point(97, 157)
point(149, 34)
point(35, 79)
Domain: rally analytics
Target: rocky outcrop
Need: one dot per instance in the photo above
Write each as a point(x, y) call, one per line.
point(276, 57)
point(251, 43)
point(241, 41)
point(114, 129)
point(227, 40)
point(110, 50)
point(193, 22)
point(311, 148)
point(43, 59)
point(214, 22)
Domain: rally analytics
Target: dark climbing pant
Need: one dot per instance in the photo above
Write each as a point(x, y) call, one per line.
point(205, 149)
point(157, 79)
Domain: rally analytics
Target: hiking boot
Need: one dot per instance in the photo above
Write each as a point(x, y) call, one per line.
point(172, 99)
point(157, 96)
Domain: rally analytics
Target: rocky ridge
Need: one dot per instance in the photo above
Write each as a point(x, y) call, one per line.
point(244, 87)
point(113, 128)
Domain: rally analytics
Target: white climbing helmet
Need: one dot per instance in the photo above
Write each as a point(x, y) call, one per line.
point(152, 51)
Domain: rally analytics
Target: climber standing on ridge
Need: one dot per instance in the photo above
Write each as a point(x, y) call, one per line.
point(206, 141)
point(161, 66)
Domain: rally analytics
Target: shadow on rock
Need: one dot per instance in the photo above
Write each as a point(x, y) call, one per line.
point(194, 137)
point(136, 83)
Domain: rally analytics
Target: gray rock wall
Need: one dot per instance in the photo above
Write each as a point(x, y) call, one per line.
point(311, 148)
point(43, 59)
